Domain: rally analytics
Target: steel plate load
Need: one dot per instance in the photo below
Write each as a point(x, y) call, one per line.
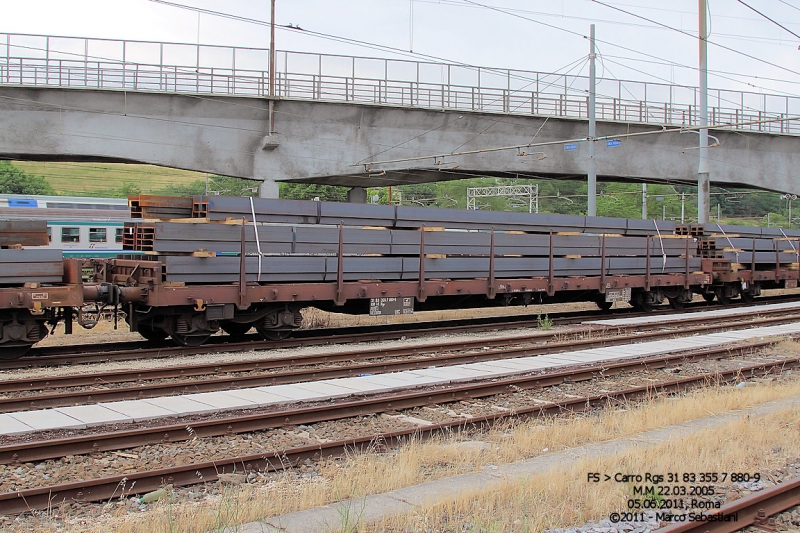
point(225, 208)
point(23, 233)
point(31, 266)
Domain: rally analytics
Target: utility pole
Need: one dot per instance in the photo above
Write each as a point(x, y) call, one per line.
point(592, 172)
point(703, 196)
point(272, 68)
point(644, 201)
point(683, 205)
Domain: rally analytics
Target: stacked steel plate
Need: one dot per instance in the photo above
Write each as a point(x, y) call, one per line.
point(27, 265)
point(289, 241)
point(747, 246)
point(227, 208)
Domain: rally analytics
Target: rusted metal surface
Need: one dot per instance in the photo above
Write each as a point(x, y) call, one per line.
point(753, 509)
point(369, 404)
point(186, 386)
point(23, 233)
point(163, 296)
point(40, 297)
point(140, 482)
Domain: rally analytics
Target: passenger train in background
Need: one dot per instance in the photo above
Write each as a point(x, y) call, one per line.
point(82, 227)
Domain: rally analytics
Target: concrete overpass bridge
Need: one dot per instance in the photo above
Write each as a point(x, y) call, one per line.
point(358, 122)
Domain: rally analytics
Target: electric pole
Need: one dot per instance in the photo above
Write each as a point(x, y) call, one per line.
point(703, 196)
point(592, 172)
point(272, 68)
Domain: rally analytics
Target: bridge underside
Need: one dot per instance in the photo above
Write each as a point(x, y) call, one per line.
point(359, 145)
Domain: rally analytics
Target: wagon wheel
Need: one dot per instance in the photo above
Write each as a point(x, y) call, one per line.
point(9, 351)
point(152, 334)
point(747, 297)
point(273, 334)
point(722, 299)
point(676, 303)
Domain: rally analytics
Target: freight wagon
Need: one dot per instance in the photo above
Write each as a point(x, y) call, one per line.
point(206, 264)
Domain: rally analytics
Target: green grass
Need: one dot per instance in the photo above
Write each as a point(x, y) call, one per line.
point(100, 179)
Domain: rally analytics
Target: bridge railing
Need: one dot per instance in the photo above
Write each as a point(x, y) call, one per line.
point(31, 60)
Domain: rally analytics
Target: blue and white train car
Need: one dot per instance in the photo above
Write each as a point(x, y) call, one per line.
point(82, 227)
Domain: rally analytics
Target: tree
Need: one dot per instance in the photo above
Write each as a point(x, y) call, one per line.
point(15, 181)
point(215, 185)
point(309, 191)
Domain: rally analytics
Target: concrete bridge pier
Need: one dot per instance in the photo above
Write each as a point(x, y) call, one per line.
point(268, 189)
point(357, 195)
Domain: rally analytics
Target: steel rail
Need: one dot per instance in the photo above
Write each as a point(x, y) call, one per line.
point(186, 386)
point(133, 350)
point(140, 482)
point(27, 451)
point(94, 353)
point(753, 509)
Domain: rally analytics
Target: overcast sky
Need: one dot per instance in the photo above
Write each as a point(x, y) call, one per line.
point(543, 35)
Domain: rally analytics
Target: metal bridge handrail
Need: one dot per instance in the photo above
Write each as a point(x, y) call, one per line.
point(338, 77)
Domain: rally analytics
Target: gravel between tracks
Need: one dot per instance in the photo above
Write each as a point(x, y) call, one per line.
point(31, 475)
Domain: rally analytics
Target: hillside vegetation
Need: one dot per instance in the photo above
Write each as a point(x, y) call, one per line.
point(736, 206)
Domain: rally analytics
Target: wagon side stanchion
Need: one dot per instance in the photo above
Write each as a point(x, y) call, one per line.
point(686, 279)
point(647, 264)
point(421, 296)
point(339, 298)
point(243, 268)
point(551, 284)
point(603, 264)
point(491, 293)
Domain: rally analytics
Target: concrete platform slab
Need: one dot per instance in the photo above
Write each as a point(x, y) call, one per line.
point(516, 365)
point(393, 381)
point(94, 415)
point(258, 397)
point(47, 419)
point(322, 388)
point(293, 392)
point(530, 363)
point(492, 369)
point(710, 314)
point(221, 400)
point(141, 409)
point(11, 426)
point(359, 385)
point(182, 405)
point(432, 375)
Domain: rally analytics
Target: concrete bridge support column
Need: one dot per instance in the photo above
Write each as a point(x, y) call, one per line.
point(268, 189)
point(357, 195)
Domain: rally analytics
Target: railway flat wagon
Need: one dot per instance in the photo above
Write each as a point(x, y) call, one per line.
point(37, 286)
point(239, 263)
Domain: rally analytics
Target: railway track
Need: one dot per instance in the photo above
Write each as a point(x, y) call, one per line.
point(39, 393)
point(144, 481)
point(124, 351)
point(752, 510)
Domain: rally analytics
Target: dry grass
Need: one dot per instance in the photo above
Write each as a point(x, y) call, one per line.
point(314, 318)
point(564, 498)
point(416, 462)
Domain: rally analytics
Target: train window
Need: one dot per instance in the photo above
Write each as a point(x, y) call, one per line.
point(49, 234)
point(97, 234)
point(70, 235)
point(118, 236)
